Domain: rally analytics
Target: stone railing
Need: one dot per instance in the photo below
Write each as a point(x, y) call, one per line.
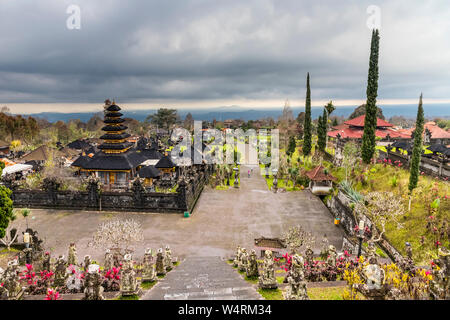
point(341, 207)
point(430, 167)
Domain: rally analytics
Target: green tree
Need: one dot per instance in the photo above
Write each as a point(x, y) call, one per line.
point(417, 150)
point(291, 147)
point(330, 107)
point(164, 118)
point(335, 122)
point(307, 133)
point(6, 207)
point(370, 122)
point(322, 131)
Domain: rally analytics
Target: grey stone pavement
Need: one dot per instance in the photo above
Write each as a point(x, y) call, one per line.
point(202, 278)
point(222, 219)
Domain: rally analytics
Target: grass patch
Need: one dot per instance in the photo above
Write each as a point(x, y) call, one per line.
point(330, 293)
point(271, 294)
point(280, 280)
point(161, 276)
point(148, 285)
point(11, 250)
point(252, 280)
point(133, 297)
point(176, 263)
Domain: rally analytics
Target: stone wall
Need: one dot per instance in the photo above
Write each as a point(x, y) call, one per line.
point(428, 166)
point(112, 201)
point(340, 206)
point(183, 200)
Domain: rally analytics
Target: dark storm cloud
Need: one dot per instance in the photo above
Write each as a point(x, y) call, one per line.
point(194, 50)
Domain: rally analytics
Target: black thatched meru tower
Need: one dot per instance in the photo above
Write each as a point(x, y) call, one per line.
point(115, 164)
point(114, 139)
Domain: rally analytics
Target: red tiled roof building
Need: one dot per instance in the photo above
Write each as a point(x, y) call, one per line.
point(354, 129)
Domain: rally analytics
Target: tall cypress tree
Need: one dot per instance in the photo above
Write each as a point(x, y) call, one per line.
point(370, 122)
point(322, 131)
point(417, 149)
point(307, 134)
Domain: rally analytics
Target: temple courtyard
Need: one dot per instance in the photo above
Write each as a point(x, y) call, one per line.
point(222, 219)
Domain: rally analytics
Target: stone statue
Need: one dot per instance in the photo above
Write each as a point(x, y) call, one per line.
point(371, 250)
point(237, 257)
point(128, 285)
point(267, 280)
point(243, 261)
point(309, 256)
point(11, 289)
point(72, 256)
point(168, 259)
point(252, 268)
point(149, 271)
point(117, 258)
point(46, 264)
point(109, 260)
point(296, 289)
point(439, 285)
point(87, 262)
point(160, 268)
point(73, 282)
point(325, 247)
point(375, 287)
point(332, 255)
point(60, 272)
point(93, 284)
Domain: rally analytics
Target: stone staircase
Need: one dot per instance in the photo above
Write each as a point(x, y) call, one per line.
point(203, 278)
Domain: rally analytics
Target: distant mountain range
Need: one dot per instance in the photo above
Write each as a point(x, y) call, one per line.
point(236, 112)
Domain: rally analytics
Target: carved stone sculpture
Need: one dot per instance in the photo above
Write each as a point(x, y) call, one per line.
point(149, 272)
point(60, 272)
point(371, 250)
point(46, 265)
point(109, 260)
point(296, 289)
point(128, 285)
point(11, 289)
point(160, 267)
point(332, 255)
point(252, 268)
point(375, 287)
point(267, 279)
point(168, 259)
point(72, 256)
point(237, 257)
point(87, 262)
point(243, 261)
point(309, 256)
point(73, 282)
point(93, 284)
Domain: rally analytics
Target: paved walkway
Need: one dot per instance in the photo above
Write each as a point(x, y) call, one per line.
point(222, 219)
point(203, 278)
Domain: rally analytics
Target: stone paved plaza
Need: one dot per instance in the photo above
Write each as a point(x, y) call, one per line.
point(221, 221)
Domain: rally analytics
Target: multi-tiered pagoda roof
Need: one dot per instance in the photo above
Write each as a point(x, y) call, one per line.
point(115, 132)
point(116, 152)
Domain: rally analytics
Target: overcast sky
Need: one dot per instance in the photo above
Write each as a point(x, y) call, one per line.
point(218, 53)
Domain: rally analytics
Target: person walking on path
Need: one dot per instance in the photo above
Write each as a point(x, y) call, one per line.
point(248, 173)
